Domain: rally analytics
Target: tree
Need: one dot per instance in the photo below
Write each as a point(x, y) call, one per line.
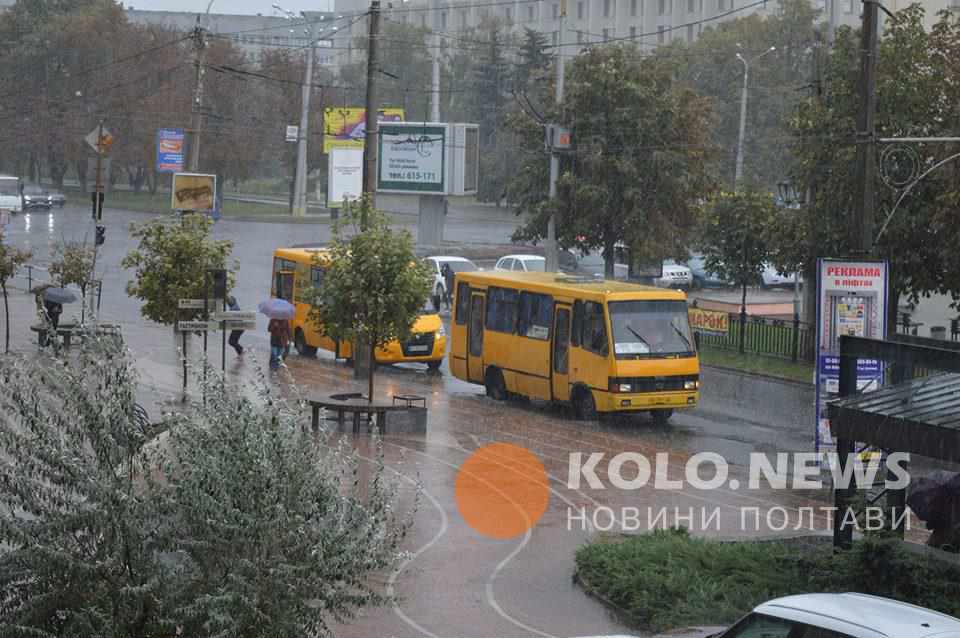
point(73, 263)
point(11, 259)
point(374, 287)
point(732, 240)
point(641, 157)
point(243, 523)
point(171, 263)
point(918, 95)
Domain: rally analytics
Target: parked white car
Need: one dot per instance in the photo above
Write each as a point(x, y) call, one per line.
point(522, 263)
point(457, 264)
point(675, 275)
point(773, 279)
point(842, 616)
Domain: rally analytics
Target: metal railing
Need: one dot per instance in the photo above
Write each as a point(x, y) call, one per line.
point(770, 336)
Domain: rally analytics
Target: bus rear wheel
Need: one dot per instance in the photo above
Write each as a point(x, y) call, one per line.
point(300, 343)
point(661, 417)
point(495, 385)
point(584, 406)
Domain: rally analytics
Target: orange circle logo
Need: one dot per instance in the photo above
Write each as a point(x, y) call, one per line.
point(502, 490)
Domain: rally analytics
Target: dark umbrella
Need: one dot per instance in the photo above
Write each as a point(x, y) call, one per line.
point(59, 295)
point(932, 496)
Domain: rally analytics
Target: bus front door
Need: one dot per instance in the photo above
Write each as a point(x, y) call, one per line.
point(475, 339)
point(560, 354)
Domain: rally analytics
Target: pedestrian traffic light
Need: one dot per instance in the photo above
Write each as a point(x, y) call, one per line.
point(101, 235)
point(218, 279)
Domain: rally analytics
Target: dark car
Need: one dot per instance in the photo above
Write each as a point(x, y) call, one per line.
point(35, 197)
point(56, 198)
point(702, 278)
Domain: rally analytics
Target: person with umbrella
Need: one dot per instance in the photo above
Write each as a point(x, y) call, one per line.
point(280, 313)
point(53, 300)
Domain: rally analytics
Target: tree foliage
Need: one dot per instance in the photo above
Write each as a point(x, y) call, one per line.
point(732, 235)
point(73, 263)
point(171, 263)
point(375, 286)
point(243, 523)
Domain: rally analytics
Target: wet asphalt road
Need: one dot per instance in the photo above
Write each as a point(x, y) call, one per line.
point(455, 583)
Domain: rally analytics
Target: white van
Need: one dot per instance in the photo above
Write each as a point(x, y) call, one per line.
point(11, 198)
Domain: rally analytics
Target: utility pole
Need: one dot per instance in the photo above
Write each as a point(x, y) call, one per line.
point(743, 123)
point(435, 83)
point(199, 47)
point(300, 181)
point(552, 255)
point(861, 231)
point(370, 146)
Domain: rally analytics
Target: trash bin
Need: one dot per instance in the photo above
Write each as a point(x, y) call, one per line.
point(938, 332)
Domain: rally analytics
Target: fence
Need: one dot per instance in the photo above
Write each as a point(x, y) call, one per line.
point(31, 276)
point(784, 338)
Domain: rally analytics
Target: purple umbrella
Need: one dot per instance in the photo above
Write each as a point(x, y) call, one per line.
point(277, 309)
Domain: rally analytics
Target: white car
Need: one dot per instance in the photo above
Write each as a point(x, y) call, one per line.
point(675, 275)
point(457, 264)
point(522, 263)
point(842, 616)
point(771, 278)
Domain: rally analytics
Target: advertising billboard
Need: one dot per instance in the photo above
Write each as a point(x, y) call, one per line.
point(194, 192)
point(346, 127)
point(710, 322)
point(851, 300)
point(170, 143)
point(345, 176)
point(411, 159)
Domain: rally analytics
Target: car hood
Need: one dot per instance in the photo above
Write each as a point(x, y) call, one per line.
point(427, 323)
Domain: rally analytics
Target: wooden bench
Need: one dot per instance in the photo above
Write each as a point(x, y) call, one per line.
point(70, 330)
point(355, 405)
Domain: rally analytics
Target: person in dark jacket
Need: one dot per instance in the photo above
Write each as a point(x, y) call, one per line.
point(234, 339)
point(279, 330)
point(447, 272)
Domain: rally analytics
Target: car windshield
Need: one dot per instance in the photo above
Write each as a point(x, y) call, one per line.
point(8, 188)
point(32, 190)
point(536, 265)
point(461, 266)
point(650, 329)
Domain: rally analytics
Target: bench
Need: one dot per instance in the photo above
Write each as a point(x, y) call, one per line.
point(357, 406)
point(69, 330)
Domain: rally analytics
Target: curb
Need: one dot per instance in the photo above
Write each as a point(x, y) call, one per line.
point(758, 375)
point(618, 611)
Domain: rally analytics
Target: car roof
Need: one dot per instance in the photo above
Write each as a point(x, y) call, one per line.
point(521, 256)
point(447, 258)
point(863, 616)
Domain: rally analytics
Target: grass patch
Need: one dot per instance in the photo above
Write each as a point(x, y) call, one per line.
point(757, 364)
point(668, 579)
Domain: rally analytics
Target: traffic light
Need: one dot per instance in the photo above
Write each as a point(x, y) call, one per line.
point(97, 199)
point(101, 235)
point(218, 279)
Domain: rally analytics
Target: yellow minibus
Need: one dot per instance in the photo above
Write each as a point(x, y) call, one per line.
point(601, 345)
point(296, 272)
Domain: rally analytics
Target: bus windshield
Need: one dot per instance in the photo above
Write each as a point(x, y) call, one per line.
point(650, 329)
point(9, 188)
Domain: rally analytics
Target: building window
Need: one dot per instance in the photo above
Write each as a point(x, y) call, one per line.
point(509, 14)
point(722, 5)
point(606, 35)
point(633, 33)
point(848, 6)
point(463, 19)
point(556, 11)
point(660, 34)
point(423, 21)
point(443, 19)
point(580, 10)
point(633, 8)
point(530, 13)
point(556, 40)
point(579, 37)
point(689, 33)
point(606, 8)
point(691, 6)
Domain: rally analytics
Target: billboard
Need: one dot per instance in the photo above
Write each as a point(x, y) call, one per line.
point(851, 300)
point(170, 142)
point(194, 192)
point(345, 176)
point(346, 127)
point(411, 158)
point(710, 322)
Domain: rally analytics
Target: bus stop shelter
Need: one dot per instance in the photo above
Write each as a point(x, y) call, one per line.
point(916, 410)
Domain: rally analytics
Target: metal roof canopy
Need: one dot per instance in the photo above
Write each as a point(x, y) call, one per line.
point(916, 415)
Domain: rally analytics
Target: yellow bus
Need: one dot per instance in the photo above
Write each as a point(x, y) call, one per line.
point(601, 345)
point(295, 273)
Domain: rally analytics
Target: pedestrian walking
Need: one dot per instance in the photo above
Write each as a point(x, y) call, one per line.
point(279, 330)
point(234, 339)
point(447, 273)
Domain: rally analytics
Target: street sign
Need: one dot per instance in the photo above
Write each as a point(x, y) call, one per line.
point(100, 140)
point(235, 315)
point(293, 132)
point(197, 326)
point(240, 325)
point(197, 304)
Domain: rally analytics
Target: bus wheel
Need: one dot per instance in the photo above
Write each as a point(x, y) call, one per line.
point(300, 343)
point(434, 365)
point(584, 406)
point(496, 386)
point(661, 417)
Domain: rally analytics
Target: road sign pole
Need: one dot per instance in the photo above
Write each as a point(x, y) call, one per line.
point(223, 345)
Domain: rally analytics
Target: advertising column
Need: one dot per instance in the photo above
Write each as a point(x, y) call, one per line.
point(851, 300)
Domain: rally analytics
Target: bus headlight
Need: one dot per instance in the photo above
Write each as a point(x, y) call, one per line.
point(691, 385)
point(616, 386)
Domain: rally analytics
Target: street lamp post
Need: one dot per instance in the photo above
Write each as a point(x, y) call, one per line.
point(791, 199)
point(743, 113)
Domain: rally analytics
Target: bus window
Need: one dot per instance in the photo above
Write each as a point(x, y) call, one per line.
point(463, 303)
point(284, 285)
point(594, 329)
point(316, 277)
point(536, 313)
point(502, 309)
